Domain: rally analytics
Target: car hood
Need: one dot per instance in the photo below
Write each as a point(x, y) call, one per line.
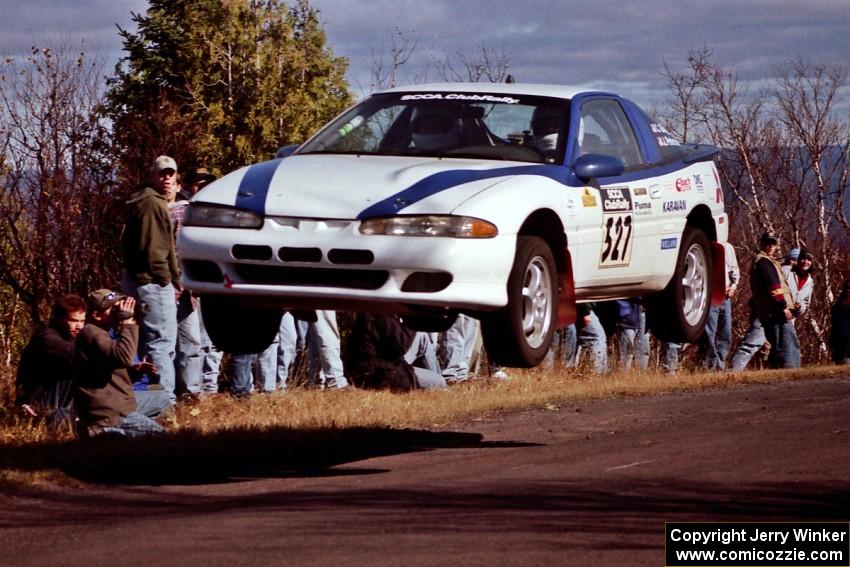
point(351, 186)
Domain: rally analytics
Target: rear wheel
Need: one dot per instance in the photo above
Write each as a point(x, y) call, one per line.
point(520, 333)
point(678, 313)
point(239, 329)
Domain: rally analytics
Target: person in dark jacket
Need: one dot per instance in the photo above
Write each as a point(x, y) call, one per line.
point(376, 349)
point(44, 385)
point(839, 336)
point(105, 356)
point(772, 304)
point(151, 273)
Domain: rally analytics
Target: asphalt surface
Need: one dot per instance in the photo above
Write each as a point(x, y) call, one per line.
point(582, 484)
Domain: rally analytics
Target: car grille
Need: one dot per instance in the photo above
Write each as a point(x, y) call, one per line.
point(319, 277)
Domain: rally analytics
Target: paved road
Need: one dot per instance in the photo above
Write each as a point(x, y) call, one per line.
point(583, 484)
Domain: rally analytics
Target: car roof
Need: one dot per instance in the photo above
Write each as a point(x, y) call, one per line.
point(537, 89)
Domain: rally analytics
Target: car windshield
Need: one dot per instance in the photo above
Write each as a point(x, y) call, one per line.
point(450, 124)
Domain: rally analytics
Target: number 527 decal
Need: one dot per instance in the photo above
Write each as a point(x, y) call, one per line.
point(617, 240)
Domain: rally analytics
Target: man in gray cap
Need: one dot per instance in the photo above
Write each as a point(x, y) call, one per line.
point(151, 271)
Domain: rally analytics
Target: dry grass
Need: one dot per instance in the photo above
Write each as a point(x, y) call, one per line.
point(306, 430)
point(310, 409)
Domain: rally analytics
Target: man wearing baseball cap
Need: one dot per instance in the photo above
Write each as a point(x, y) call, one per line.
point(151, 272)
point(104, 396)
point(194, 179)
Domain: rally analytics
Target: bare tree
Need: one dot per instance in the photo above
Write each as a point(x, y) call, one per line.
point(488, 63)
point(686, 103)
point(57, 230)
point(784, 165)
point(385, 74)
point(817, 145)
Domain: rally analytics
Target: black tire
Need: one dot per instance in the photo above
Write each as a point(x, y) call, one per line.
point(678, 313)
point(520, 333)
point(430, 323)
point(239, 329)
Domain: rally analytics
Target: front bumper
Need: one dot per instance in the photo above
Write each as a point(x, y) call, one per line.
point(328, 264)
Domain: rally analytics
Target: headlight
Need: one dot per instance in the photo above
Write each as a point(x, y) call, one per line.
point(205, 214)
point(430, 225)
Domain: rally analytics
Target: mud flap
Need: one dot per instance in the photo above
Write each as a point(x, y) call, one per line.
point(567, 294)
point(718, 276)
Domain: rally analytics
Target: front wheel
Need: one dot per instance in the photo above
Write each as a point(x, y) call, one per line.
point(678, 313)
point(520, 333)
point(239, 329)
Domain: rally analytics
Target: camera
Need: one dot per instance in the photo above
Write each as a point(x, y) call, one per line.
point(122, 315)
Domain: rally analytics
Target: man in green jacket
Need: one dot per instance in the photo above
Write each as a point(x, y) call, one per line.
point(151, 272)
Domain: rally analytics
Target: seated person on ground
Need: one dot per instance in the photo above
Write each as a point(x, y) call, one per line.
point(45, 375)
point(105, 352)
point(376, 355)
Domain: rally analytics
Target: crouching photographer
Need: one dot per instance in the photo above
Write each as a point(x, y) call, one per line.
point(105, 355)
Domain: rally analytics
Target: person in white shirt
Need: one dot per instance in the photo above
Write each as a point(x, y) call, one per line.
point(800, 282)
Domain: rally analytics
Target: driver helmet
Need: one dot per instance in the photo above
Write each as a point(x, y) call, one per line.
point(545, 124)
point(435, 129)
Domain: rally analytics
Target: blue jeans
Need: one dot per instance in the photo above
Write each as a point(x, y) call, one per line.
point(564, 348)
point(243, 376)
point(157, 329)
point(634, 344)
point(287, 339)
point(784, 345)
point(211, 359)
point(455, 348)
point(642, 343)
point(188, 361)
point(428, 380)
point(321, 343)
point(423, 352)
point(151, 403)
point(670, 357)
point(750, 344)
point(592, 339)
point(716, 340)
point(135, 425)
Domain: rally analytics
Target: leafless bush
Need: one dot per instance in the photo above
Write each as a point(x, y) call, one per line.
point(58, 233)
point(784, 165)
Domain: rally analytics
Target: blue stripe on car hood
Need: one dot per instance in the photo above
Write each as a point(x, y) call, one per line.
point(438, 182)
point(254, 187)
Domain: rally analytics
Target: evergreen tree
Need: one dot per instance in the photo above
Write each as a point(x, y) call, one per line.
point(222, 82)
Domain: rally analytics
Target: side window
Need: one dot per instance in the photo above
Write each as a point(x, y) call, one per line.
point(605, 129)
point(668, 148)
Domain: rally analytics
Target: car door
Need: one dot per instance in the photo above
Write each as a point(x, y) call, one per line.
point(618, 232)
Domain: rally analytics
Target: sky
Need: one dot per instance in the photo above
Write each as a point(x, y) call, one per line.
point(618, 45)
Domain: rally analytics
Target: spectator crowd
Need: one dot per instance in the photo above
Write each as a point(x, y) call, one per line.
point(114, 361)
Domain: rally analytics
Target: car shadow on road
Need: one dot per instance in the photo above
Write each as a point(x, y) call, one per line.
point(230, 456)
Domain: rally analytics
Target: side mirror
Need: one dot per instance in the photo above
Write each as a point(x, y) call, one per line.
point(286, 151)
point(594, 166)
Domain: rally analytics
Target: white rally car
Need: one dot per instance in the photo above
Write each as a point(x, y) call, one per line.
point(504, 201)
